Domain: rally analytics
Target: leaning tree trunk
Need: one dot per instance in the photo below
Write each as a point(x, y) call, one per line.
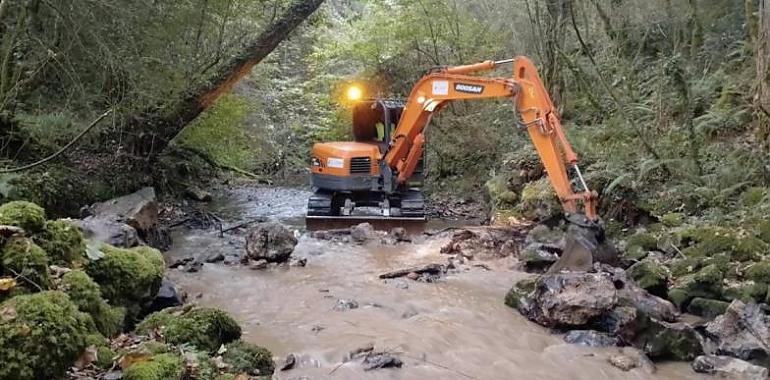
point(762, 99)
point(153, 131)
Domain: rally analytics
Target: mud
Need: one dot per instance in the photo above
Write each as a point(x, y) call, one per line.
point(456, 328)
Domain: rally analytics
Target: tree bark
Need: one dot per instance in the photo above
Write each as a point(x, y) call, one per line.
point(762, 99)
point(154, 130)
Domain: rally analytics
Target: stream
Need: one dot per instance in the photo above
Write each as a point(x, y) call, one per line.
point(457, 328)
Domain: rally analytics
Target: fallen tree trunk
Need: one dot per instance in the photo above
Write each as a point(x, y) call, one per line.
point(154, 130)
point(427, 268)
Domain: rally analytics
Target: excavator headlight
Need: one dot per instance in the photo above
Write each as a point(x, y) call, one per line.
point(355, 93)
point(315, 162)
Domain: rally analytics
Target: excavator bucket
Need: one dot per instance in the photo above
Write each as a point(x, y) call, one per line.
point(412, 226)
point(585, 244)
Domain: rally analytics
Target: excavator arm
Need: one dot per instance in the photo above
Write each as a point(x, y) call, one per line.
point(536, 113)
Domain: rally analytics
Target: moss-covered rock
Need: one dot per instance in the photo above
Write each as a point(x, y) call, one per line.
point(87, 295)
point(104, 354)
point(538, 202)
point(750, 249)
point(753, 196)
point(520, 290)
point(706, 241)
point(204, 328)
point(706, 283)
point(500, 195)
point(707, 308)
point(26, 215)
point(643, 240)
point(249, 358)
point(746, 291)
point(128, 277)
point(759, 272)
point(63, 242)
point(764, 231)
point(41, 335)
point(650, 275)
point(22, 257)
point(672, 219)
point(158, 367)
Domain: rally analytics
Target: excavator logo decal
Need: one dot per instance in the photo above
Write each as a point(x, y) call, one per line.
point(469, 88)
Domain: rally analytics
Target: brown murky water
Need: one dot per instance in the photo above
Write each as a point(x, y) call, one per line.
point(457, 328)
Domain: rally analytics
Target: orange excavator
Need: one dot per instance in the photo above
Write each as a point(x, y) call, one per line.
point(381, 170)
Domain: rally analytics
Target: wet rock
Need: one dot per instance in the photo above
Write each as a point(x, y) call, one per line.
point(399, 233)
point(629, 358)
point(111, 232)
point(258, 265)
point(619, 322)
point(517, 295)
point(301, 262)
point(345, 305)
point(181, 262)
point(197, 194)
point(415, 272)
point(138, 210)
point(193, 267)
point(542, 234)
point(214, 257)
point(167, 296)
point(664, 340)
point(590, 338)
point(270, 241)
point(584, 246)
point(707, 308)
point(641, 299)
point(288, 363)
point(362, 232)
point(569, 299)
point(743, 331)
point(706, 283)
point(728, 367)
point(377, 360)
point(539, 257)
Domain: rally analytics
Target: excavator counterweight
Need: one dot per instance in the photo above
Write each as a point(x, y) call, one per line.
point(381, 172)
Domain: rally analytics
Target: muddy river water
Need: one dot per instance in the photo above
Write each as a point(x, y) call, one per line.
point(457, 328)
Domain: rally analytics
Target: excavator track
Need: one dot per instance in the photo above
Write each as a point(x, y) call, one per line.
point(323, 213)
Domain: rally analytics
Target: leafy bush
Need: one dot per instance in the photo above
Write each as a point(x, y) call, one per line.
point(248, 358)
point(26, 215)
point(158, 367)
point(22, 257)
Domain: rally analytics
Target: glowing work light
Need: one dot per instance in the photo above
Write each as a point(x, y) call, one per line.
point(354, 93)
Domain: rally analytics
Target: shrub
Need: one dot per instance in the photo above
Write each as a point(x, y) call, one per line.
point(248, 358)
point(21, 256)
point(26, 215)
point(204, 328)
point(63, 242)
point(158, 367)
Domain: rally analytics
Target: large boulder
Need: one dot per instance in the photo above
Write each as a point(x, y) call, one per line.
point(727, 367)
point(22, 258)
point(743, 331)
point(205, 328)
point(667, 341)
point(569, 299)
point(41, 335)
point(107, 221)
point(270, 241)
point(630, 293)
point(650, 275)
point(128, 277)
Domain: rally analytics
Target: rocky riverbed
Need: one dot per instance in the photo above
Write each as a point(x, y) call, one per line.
point(451, 324)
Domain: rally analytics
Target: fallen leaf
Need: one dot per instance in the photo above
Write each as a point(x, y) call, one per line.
point(133, 358)
point(7, 283)
point(8, 313)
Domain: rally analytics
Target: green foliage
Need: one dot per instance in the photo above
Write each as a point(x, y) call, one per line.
point(159, 367)
point(41, 335)
point(22, 257)
point(26, 215)
point(248, 358)
point(538, 202)
point(128, 277)
point(63, 242)
point(204, 328)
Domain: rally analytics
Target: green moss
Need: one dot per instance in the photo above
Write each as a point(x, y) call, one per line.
point(764, 231)
point(86, 294)
point(63, 242)
point(204, 328)
point(21, 256)
point(500, 195)
point(707, 308)
point(519, 290)
point(538, 202)
point(672, 219)
point(750, 249)
point(26, 215)
point(104, 357)
point(218, 133)
point(60, 190)
point(753, 196)
point(706, 283)
point(128, 277)
point(747, 291)
point(759, 272)
point(158, 367)
point(684, 266)
point(650, 275)
point(41, 335)
point(248, 358)
point(643, 240)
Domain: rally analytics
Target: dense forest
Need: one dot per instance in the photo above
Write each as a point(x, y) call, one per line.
point(666, 102)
